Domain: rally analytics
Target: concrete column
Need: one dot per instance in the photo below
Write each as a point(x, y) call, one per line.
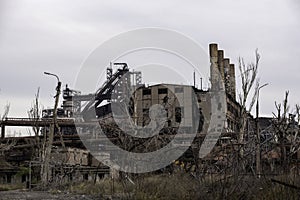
point(232, 81)
point(221, 64)
point(226, 64)
point(213, 52)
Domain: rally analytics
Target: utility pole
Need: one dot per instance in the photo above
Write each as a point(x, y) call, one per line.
point(201, 84)
point(194, 76)
point(258, 153)
point(46, 161)
point(29, 176)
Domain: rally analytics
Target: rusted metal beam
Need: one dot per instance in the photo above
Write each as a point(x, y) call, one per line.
point(35, 122)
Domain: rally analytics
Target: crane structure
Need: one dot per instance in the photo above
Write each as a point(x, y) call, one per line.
point(96, 105)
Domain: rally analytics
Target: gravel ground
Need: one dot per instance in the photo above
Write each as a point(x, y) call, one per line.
point(37, 195)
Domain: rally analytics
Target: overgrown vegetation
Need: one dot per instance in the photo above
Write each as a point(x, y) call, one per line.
point(181, 185)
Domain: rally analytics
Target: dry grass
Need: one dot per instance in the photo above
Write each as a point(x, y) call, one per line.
point(7, 187)
point(183, 186)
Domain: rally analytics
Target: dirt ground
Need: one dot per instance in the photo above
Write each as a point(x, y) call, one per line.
point(38, 195)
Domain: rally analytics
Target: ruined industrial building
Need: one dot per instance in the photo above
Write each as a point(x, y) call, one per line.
point(70, 160)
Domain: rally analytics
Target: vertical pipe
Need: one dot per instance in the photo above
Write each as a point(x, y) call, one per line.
point(258, 151)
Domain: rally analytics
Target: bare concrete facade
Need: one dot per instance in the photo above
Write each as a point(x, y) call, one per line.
point(178, 99)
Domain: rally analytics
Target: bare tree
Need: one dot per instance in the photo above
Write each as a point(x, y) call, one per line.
point(6, 111)
point(7, 146)
point(35, 113)
point(250, 85)
point(11, 142)
point(295, 138)
point(281, 125)
point(286, 127)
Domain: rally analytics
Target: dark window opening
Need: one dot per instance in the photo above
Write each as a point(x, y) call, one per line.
point(146, 91)
point(8, 178)
point(145, 111)
point(162, 90)
point(178, 114)
point(169, 123)
point(23, 178)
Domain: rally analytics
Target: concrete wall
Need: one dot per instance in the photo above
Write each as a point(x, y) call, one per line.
point(70, 156)
point(176, 98)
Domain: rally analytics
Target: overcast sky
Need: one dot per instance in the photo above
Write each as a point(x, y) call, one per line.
point(57, 36)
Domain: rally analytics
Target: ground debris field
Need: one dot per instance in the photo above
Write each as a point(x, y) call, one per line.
point(41, 195)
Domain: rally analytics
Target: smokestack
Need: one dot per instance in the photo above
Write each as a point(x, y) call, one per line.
point(213, 53)
point(226, 62)
point(213, 50)
point(232, 80)
point(221, 64)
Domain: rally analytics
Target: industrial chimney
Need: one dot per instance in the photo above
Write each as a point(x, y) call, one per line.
point(221, 68)
point(221, 64)
point(213, 53)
